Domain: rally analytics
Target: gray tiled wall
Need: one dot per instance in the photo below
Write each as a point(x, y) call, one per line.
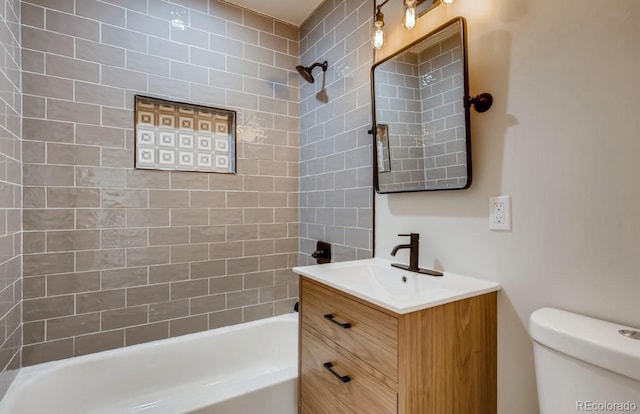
point(10, 193)
point(116, 256)
point(398, 105)
point(335, 114)
point(443, 116)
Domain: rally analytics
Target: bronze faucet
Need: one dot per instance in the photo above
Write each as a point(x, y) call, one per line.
point(414, 250)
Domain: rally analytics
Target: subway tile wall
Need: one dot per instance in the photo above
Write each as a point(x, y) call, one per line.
point(335, 148)
point(10, 193)
point(443, 114)
point(398, 105)
point(115, 256)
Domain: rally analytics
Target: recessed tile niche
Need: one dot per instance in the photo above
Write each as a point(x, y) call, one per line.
point(179, 136)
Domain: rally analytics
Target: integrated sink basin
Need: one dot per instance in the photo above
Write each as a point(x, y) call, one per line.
point(397, 290)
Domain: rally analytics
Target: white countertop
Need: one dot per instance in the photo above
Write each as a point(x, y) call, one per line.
point(397, 290)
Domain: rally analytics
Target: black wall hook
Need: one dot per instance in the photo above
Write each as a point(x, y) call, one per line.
point(481, 103)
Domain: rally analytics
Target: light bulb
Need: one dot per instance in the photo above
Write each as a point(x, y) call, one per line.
point(409, 20)
point(446, 1)
point(378, 37)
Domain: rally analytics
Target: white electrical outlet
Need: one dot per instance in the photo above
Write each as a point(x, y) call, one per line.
point(500, 213)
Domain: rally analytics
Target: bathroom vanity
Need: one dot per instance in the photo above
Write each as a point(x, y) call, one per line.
point(375, 339)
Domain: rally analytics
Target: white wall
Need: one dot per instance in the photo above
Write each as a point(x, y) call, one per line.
point(563, 139)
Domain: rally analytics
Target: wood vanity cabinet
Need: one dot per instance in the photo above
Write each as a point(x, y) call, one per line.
point(357, 357)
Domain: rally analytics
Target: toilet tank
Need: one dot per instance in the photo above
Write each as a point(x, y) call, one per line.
point(584, 364)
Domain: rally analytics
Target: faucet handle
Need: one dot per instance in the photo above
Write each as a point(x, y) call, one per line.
point(409, 235)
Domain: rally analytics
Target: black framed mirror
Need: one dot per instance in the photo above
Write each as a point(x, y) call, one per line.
point(420, 100)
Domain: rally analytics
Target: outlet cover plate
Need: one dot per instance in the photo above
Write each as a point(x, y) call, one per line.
point(500, 213)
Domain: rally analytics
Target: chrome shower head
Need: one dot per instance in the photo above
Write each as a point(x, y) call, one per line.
point(305, 71)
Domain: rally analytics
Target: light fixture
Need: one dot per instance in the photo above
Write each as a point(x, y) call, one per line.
point(412, 10)
point(409, 19)
point(377, 39)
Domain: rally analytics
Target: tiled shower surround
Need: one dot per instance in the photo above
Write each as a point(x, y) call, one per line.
point(10, 193)
point(115, 256)
point(335, 114)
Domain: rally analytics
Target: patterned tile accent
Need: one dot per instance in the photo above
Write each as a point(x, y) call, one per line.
point(180, 137)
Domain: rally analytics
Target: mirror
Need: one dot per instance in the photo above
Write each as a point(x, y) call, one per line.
point(421, 114)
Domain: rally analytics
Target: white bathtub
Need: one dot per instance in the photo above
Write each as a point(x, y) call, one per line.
point(245, 369)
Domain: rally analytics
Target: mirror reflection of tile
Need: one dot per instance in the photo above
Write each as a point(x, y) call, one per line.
point(419, 98)
point(183, 137)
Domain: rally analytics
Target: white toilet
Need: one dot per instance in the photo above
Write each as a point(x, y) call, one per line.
point(584, 364)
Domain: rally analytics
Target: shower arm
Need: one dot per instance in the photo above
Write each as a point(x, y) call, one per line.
point(324, 65)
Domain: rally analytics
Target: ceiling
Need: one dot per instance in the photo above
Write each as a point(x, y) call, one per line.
point(290, 11)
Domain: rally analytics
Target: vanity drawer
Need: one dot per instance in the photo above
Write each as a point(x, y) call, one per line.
point(372, 335)
point(322, 392)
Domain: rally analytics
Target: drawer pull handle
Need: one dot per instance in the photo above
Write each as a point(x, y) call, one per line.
point(343, 378)
point(343, 325)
